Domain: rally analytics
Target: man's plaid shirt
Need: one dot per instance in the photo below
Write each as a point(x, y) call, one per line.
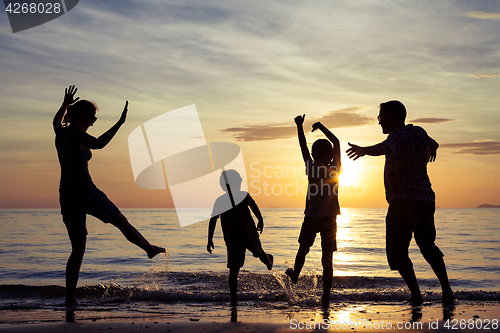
point(405, 174)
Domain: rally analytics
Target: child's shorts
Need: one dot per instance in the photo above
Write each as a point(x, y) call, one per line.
point(236, 252)
point(75, 207)
point(326, 226)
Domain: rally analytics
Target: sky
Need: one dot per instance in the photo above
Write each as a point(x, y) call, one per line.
point(250, 68)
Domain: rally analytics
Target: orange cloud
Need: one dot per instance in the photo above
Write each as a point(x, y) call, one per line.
point(483, 15)
point(347, 117)
point(474, 148)
point(480, 75)
point(431, 120)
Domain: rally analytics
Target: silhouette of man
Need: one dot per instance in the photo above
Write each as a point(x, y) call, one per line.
point(411, 199)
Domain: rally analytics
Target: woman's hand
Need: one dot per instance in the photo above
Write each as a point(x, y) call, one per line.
point(124, 114)
point(69, 95)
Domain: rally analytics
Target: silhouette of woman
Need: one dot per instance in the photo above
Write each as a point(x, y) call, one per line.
point(78, 195)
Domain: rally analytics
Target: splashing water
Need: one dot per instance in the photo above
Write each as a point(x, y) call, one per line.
point(148, 281)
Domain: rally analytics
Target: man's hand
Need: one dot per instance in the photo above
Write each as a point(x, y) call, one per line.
point(355, 151)
point(69, 95)
point(432, 156)
point(299, 120)
point(260, 226)
point(210, 246)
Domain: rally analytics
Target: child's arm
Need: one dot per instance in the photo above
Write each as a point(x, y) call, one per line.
point(255, 209)
point(333, 139)
point(211, 230)
point(299, 120)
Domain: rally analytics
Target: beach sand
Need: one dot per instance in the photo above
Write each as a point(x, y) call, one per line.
point(470, 317)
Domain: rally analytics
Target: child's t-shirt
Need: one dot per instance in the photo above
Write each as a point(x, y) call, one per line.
point(237, 223)
point(322, 191)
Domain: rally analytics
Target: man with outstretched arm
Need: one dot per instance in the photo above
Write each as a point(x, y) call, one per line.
point(411, 199)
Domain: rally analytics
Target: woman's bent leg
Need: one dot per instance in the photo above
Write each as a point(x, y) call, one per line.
point(135, 237)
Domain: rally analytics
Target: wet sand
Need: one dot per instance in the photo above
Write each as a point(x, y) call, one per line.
point(470, 317)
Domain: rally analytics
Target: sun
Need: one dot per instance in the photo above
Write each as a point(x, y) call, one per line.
point(350, 172)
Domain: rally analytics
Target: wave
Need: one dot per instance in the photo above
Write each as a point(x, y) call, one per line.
point(213, 287)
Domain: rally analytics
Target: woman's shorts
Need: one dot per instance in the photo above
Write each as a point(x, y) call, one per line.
point(74, 209)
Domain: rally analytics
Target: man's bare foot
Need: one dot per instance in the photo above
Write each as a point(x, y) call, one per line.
point(155, 250)
point(291, 274)
point(448, 299)
point(271, 260)
point(416, 301)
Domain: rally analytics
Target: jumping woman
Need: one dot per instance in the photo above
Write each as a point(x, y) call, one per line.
point(78, 195)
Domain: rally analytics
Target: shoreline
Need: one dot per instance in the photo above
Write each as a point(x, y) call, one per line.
point(368, 317)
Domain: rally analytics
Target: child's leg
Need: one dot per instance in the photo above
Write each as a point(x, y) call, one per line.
point(300, 259)
point(327, 261)
point(267, 259)
point(255, 247)
point(233, 285)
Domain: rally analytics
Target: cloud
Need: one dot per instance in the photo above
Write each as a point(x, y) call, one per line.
point(480, 75)
point(474, 148)
point(483, 15)
point(347, 117)
point(431, 120)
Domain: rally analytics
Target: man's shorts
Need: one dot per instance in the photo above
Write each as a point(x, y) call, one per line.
point(326, 226)
point(75, 207)
point(404, 218)
point(236, 252)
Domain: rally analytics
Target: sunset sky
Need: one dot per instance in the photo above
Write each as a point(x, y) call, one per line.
point(250, 68)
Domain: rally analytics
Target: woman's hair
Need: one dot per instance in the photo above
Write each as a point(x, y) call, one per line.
point(75, 111)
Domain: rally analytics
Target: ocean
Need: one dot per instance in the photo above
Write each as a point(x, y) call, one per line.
point(118, 276)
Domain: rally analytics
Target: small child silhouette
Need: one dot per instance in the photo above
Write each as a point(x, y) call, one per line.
point(238, 227)
point(322, 204)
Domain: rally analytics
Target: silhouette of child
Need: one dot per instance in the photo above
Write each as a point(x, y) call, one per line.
point(238, 227)
point(322, 204)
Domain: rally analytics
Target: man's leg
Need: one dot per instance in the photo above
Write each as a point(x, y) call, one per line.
point(327, 261)
point(439, 268)
point(400, 222)
point(425, 237)
point(73, 267)
point(233, 285)
point(408, 274)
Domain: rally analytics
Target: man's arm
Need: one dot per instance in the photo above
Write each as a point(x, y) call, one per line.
point(69, 99)
point(255, 209)
point(356, 152)
point(211, 230)
point(434, 147)
point(299, 120)
point(333, 139)
point(92, 142)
